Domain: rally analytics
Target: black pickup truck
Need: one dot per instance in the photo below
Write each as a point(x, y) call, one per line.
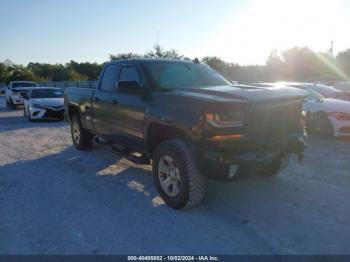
point(190, 121)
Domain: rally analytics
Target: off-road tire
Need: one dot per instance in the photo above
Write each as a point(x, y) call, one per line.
point(192, 185)
point(319, 126)
point(85, 140)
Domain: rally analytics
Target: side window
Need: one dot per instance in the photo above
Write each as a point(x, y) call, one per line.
point(129, 74)
point(109, 78)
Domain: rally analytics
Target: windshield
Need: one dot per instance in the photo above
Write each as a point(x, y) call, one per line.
point(24, 84)
point(46, 93)
point(314, 94)
point(324, 88)
point(170, 75)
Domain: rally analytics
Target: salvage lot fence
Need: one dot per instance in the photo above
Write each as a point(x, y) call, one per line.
point(64, 84)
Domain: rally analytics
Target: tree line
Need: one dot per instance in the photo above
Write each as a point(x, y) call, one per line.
point(295, 64)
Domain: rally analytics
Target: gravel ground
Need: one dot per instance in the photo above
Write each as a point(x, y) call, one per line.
point(56, 200)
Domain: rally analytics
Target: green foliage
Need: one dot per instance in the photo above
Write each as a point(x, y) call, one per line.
point(122, 56)
point(156, 52)
point(159, 52)
point(295, 64)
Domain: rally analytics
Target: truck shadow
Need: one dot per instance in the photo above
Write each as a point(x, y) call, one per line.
point(83, 201)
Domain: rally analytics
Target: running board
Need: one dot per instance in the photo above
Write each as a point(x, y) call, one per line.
point(125, 152)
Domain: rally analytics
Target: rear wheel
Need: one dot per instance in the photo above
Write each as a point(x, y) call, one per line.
point(176, 175)
point(82, 139)
point(319, 125)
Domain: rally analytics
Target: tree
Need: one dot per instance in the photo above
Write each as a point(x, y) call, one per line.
point(275, 66)
point(159, 52)
point(215, 62)
point(86, 70)
point(122, 56)
point(343, 63)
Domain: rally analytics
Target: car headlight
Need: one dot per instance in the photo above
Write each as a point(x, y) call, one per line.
point(227, 119)
point(341, 116)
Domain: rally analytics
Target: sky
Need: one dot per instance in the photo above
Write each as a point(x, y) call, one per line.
point(244, 32)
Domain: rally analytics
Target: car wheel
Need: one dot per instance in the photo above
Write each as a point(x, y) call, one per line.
point(275, 167)
point(319, 125)
point(176, 176)
point(82, 139)
point(10, 105)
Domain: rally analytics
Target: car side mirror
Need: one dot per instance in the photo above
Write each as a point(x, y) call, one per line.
point(132, 87)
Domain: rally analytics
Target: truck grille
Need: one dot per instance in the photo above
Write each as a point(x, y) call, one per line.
point(273, 125)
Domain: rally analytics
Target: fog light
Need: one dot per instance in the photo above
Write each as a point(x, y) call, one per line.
point(233, 170)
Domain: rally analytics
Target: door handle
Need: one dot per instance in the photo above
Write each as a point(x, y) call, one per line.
point(114, 102)
point(96, 99)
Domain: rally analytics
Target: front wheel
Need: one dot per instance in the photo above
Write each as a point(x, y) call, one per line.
point(176, 175)
point(82, 139)
point(10, 105)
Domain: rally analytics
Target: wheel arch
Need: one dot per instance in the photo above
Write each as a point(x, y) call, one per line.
point(156, 133)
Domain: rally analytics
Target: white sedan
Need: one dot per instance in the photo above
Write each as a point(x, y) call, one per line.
point(325, 117)
point(44, 103)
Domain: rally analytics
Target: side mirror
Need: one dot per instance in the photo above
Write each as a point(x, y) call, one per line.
point(25, 95)
point(131, 87)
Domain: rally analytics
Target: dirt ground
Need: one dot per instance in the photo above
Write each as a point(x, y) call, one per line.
point(56, 200)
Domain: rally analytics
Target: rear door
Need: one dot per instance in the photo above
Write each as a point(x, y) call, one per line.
point(101, 101)
point(128, 111)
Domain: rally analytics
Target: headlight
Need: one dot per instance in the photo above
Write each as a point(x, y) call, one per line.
point(228, 119)
point(341, 116)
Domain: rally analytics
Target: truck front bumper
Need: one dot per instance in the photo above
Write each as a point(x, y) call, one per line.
point(219, 165)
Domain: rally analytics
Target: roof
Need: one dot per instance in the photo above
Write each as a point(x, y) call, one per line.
point(150, 60)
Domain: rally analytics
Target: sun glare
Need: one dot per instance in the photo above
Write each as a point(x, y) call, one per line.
point(273, 24)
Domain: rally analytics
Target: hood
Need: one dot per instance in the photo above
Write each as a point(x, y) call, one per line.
point(48, 101)
point(331, 105)
point(245, 93)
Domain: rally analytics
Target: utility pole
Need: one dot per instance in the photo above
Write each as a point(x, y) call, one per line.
point(157, 37)
point(331, 49)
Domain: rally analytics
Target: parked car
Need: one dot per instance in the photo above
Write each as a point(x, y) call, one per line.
point(15, 92)
point(2, 89)
point(325, 117)
point(44, 103)
point(330, 92)
point(344, 86)
point(190, 121)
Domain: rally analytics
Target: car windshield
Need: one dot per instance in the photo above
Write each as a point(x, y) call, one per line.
point(314, 94)
point(46, 93)
point(324, 88)
point(170, 75)
point(24, 84)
